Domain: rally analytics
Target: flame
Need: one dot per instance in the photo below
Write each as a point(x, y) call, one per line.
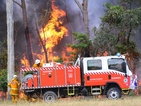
point(24, 61)
point(66, 54)
point(54, 30)
point(52, 33)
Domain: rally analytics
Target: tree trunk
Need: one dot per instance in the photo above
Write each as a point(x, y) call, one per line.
point(27, 35)
point(38, 33)
point(10, 41)
point(85, 19)
point(84, 9)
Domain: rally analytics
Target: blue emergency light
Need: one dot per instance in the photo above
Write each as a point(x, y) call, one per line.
point(118, 54)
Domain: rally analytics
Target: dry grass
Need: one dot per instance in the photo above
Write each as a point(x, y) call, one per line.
point(125, 101)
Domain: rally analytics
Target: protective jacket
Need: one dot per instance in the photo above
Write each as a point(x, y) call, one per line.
point(37, 65)
point(14, 85)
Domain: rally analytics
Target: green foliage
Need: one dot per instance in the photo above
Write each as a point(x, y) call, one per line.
point(116, 15)
point(118, 25)
point(3, 55)
point(3, 80)
point(81, 46)
point(132, 93)
point(83, 41)
point(105, 40)
point(130, 48)
point(113, 14)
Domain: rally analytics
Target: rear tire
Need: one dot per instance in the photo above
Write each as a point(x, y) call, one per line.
point(114, 93)
point(49, 96)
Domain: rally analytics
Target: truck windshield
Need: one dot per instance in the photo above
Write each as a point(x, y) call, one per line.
point(116, 64)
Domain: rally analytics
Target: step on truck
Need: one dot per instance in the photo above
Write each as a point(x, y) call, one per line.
point(106, 75)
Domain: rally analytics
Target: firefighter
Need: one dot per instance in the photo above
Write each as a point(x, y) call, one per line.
point(37, 64)
point(14, 91)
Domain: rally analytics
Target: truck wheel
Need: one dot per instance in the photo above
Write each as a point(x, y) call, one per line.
point(114, 93)
point(49, 96)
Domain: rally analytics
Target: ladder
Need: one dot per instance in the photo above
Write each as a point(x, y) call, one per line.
point(71, 90)
point(96, 90)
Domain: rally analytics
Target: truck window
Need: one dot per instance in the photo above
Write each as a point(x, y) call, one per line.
point(94, 64)
point(115, 64)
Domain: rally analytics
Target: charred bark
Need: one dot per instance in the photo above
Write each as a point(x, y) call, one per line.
point(27, 35)
point(45, 51)
point(28, 44)
point(38, 33)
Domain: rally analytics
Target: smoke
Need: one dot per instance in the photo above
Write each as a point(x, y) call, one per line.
point(2, 5)
point(95, 11)
point(74, 20)
point(137, 39)
point(18, 18)
point(2, 20)
point(138, 70)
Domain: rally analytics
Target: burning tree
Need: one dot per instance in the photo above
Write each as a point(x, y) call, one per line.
point(26, 31)
point(52, 32)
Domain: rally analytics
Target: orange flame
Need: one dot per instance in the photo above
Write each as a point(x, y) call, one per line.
point(24, 61)
point(65, 55)
point(52, 33)
point(54, 30)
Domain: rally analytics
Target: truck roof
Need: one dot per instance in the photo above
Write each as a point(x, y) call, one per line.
point(104, 57)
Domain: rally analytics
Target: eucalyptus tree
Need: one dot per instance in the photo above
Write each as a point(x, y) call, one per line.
point(26, 30)
point(119, 23)
point(84, 10)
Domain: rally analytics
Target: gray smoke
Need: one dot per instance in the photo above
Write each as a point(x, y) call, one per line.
point(73, 20)
point(95, 11)
point(2, 5)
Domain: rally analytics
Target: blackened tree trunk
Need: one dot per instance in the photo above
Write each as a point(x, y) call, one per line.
point(27, 35)
point(38, 33)
point(26, 32)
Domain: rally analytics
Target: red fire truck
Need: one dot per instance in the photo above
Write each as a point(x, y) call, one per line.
point(107, 75)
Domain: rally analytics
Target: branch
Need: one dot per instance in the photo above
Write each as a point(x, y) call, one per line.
point(17, 3)
point(79, 5)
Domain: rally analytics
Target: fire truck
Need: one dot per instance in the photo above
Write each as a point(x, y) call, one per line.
point(106, 75)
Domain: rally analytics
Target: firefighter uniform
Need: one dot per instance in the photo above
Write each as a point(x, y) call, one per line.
point(37, 64)
point(14, 91)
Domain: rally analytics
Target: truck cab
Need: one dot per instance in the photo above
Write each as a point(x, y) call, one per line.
point(105, 73)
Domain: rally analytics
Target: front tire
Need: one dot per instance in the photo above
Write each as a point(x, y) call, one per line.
point(49, 96)
point(114, 93)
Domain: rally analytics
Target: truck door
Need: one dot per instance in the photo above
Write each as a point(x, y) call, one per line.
point(118, 72)
point(93, 73)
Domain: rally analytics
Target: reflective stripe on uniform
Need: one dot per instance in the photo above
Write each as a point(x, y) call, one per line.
point(14, 88)
point(13, 94)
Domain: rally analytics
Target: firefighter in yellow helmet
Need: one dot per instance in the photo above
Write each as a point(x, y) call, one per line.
point(37, 64)
point(14, 91)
